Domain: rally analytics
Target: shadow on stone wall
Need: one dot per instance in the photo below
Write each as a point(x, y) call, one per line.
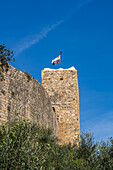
point(26, 96)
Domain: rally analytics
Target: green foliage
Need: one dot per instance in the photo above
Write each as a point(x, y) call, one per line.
point(3, 91)
point(105, 160)
point(111, 148)
point(12, 93)
point(5, 56)
point(88, 148)
point(8, 108)
point(29, 76)
point(26, 145)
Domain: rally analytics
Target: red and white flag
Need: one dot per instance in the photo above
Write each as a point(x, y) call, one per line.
point(56, 60)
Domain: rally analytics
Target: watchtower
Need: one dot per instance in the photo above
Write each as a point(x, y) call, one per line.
point(62, 87)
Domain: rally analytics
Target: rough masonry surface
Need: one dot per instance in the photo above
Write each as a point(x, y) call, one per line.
point(26, 96)
point(62, 87)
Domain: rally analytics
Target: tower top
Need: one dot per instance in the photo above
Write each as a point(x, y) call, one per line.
point(49, 69)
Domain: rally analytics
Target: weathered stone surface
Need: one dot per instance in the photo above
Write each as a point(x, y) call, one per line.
point(27, 97)
point(62, 87)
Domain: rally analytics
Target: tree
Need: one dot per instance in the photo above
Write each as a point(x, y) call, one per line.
point(5, 56)
point(24, 145)
point(105, 155)
point(88, 149)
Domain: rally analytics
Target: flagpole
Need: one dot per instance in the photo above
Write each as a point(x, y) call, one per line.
point(61, 58)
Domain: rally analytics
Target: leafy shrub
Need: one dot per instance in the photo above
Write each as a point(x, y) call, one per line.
point(29, 76)
point(26, 145)
point(5, 56)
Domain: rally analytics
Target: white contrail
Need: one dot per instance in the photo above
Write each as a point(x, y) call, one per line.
point(31, 40)
point(78, 7)
point(83, 3)
point(35, 38)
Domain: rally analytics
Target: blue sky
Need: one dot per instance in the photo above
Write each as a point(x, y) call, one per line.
point(83, 30)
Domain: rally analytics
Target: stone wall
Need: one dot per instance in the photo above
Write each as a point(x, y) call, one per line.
point(62, 87)
point(18, 92)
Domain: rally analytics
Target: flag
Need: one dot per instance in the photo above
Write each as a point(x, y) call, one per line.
point(56, 60)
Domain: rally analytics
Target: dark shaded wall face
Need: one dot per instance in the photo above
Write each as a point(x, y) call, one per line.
point(19, 92)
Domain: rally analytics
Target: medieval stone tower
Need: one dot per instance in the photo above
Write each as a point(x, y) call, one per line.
point(62, 87)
